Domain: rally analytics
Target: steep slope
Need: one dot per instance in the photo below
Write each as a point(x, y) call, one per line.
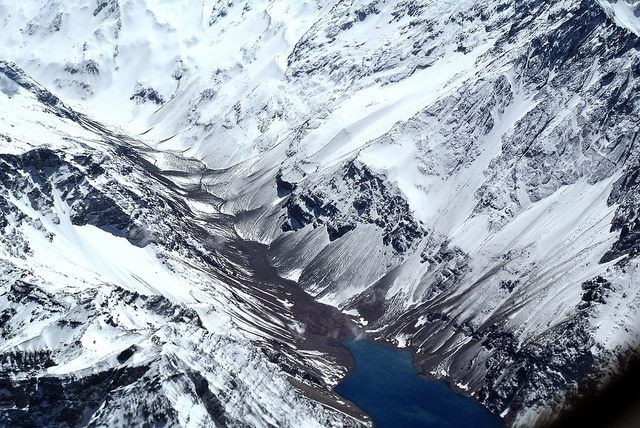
point(484, 230)
point(460, 178)
point(121, 301)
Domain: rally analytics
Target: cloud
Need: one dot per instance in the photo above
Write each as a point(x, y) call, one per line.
point(8, 86)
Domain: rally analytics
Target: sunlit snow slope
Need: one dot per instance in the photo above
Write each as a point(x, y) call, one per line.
point(121, 302)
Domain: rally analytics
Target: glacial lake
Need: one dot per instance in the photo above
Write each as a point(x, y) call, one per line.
point(386, 386)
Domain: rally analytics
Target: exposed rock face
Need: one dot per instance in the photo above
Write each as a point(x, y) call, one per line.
point(626, 221)
point(360, 197)
point(120, 303)
point(459, 177)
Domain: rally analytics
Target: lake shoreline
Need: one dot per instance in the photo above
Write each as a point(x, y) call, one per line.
point(428, 378)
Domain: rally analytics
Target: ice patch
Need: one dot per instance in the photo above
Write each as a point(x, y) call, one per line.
point(292, 275)
point(352, 312)
point(402, 340)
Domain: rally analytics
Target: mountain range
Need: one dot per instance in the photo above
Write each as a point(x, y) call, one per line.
point(200, 198)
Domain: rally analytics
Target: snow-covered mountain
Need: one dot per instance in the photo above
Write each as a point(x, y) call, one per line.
point(458, 178)
point(126, 298)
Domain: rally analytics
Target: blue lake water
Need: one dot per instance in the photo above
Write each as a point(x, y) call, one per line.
point(385, 385)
